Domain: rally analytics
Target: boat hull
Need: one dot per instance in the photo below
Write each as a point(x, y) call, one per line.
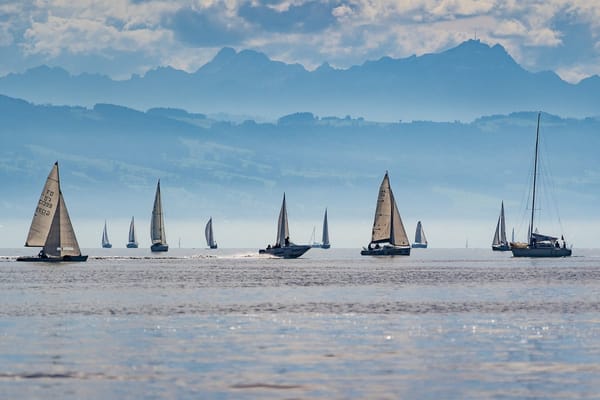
point(132, 245)
point(79, 258)
point(500, 247)
point(107, 246)
point(325, 246)
point(293, 251)
point(540, 252)
point(156, 247)
point(386, 251)
point(419, 245)
point(213, 247)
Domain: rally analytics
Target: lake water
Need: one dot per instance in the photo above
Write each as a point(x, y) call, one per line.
point(227, 324)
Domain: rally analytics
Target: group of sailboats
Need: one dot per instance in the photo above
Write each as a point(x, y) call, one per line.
point(537, 245)
point(51, 228)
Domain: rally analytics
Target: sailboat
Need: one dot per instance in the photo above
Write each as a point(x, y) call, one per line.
point(132, 242)
point(499, 243)
point(539, 245)
point(325, 238)
point(283, 246)
point(51, 226)
point(387, 226)
point(157, 224)
point(105, 242)
point(210, 237)
point(420, 239)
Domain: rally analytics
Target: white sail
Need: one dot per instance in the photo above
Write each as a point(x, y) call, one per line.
point(132, 238)
point(500, 233)
point(283, 231)
point(61, 240)
point(208, 233)
point(420, 234)
point(105, 240)
point(46, 208)
point(157, 224)
point(388, 226)
point(325, 237)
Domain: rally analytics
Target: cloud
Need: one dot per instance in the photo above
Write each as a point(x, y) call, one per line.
point(209, 26)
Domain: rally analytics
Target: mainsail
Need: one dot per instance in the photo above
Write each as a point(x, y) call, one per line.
point(283, 232)
point(208, 232)
point(325, 230)
point(500, 233)
point(387, 226)
point(157, 225)
point(105, 241)
point(420, 234)
point(132, 238)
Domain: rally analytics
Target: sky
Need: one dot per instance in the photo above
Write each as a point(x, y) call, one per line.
point(124, 37)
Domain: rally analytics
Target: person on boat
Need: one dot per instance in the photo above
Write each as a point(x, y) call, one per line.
point(557, 245)
point(269, 247)
point(377, 246)
point(287, 241)
point(370, 246)
point(42, 254)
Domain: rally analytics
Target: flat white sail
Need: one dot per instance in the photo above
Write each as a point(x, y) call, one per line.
point(46, 208)
point(283, 232)
point(500, 233)
point(420, 234)
point(132, 238)
point(157, 224)
point(105, 241)
point(325, 237)
point(388, 226)
point(61, 240)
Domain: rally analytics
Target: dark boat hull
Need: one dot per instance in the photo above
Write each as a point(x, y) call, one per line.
point(325, 246)
point(386, 251)
point(132, 245)
point(156, 247)
point(213, 247)
point(107, 246)
point(500, 247)
point(419, 245)
point(293, 251)
point(53, 259)
point(541, 252)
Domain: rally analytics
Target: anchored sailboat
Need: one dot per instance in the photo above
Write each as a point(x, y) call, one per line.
point(132, 242)
point(420, 239)
point(51, 226)
point(499, 243)
point(157, 224)
point(387, 226)
point(539, 245)
point(105, 242)
point(283, 246)
point(210, 237)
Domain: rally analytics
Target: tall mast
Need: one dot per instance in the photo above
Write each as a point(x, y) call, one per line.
point(537, 139)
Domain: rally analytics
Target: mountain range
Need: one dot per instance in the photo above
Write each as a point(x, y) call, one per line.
point(461, 83)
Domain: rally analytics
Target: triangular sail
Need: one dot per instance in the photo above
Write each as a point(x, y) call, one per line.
point(420, 234)
point(387, 226)
point(46, 208)
point(208, 232)
point(283, 231)
point(61, 239)
point(105, 240)
point(325, 229)
point(157, 225)
point(132, 238)
point(502, 225)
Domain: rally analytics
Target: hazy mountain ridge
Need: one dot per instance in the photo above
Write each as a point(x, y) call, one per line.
point(461, 83)
point(221, 165)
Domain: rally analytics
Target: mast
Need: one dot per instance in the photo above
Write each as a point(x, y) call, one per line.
point(535, 162)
